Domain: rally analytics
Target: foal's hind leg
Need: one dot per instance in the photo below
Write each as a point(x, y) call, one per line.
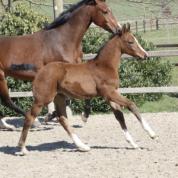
point(60, 107)
point(29, 119)
point(120, 117)
point(120, 100)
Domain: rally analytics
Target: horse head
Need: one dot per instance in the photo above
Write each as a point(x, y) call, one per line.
point(129, 43)
point(102, 16)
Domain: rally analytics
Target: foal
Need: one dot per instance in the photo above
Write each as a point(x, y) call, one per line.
point(98, 77)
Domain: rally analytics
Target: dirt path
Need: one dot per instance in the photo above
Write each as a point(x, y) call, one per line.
point(53, 155)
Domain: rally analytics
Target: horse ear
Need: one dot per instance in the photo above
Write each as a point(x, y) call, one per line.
point(124, 28)
point(128, 27)
point(97, 1)
point(91, 2)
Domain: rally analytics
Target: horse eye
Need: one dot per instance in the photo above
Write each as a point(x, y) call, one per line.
point(130, 42)
point(105, 12)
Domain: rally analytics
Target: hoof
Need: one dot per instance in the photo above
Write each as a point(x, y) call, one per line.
point(84, 148)
point(23, 152)
point(84, 119)
point(36, 124)
point(4, 125)
point(134, 146)
point(154, 137)
point(81, 146)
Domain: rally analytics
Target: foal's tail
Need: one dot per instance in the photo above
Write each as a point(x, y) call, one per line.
point(17, 67)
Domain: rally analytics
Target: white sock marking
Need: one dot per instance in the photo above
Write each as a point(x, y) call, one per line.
point(129, 138)
point(148, 128)
point(79, 143)
point(5, 125)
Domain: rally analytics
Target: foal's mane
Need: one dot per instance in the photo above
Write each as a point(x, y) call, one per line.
point(66, 15)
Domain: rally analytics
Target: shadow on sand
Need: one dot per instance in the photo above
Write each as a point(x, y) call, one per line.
point(65, 146)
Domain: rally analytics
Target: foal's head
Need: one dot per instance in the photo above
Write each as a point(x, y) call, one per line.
point(129, 44)
point(102, 16)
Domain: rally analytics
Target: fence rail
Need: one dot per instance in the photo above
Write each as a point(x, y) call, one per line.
point(160, 53)
point(122, 90)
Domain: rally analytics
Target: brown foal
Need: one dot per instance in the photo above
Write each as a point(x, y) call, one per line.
point(59, 41)
point(98, 77)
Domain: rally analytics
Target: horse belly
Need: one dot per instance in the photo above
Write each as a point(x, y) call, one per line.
point(79, 88)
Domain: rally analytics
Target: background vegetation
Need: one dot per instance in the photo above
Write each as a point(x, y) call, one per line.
point(24, 19)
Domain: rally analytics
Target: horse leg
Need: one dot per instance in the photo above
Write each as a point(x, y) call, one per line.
point(122, 101)
point(60, 107)
point(4, 125)
point(4, 95)
point(53, 114)
point(120, 117)
point(29, 119)
point(87, 111)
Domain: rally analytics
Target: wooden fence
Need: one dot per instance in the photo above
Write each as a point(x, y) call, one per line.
point(144, 25)
point(163, 53)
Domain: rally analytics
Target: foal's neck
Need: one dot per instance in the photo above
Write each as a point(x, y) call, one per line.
point(109, 56)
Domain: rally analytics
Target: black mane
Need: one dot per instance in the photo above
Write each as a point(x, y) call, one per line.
point(65, 16)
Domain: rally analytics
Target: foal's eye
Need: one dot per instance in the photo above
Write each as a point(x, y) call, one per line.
point(105, 12)
point(130, 42)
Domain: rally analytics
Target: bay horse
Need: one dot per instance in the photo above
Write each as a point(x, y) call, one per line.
point(59, 41)
point(98, 77)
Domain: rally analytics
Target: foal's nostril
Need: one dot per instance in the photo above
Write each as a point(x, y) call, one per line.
point(146, 55)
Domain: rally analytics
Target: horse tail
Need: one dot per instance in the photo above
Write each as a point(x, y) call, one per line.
point(18, 67)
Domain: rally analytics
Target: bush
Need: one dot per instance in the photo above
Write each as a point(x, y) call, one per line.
point(152, 72)
point(21, 20)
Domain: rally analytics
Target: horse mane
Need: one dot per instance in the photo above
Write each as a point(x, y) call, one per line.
point(65, 16)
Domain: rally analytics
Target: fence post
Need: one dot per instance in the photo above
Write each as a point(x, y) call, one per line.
point(136, 26)
point(144, 26)
point(157, 24)
point(57, 7)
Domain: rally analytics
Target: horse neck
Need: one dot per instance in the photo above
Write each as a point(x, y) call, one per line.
point(110, 54)
point(77, 25)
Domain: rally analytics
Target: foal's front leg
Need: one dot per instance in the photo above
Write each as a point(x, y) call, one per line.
point(120, 117)
point(81, 146)
point(60, 107)
point(29, 119)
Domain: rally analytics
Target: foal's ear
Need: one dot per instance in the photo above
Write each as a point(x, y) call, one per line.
point(100, 1)
point(91, 2)
point(124, 28)
point(128, 27)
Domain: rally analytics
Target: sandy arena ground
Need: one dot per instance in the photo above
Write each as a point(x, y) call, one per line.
point(53, 155)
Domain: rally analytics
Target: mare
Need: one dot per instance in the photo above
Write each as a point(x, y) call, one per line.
point(98, 77)
point(59, 41)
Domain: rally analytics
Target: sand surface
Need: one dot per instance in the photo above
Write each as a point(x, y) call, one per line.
point(52, 153)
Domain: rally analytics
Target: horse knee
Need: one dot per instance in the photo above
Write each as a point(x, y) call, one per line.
point(133, 108)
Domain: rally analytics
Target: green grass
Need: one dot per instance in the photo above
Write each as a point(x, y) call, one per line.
point(162, 36)
point(166, 104)
point(123, 9)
